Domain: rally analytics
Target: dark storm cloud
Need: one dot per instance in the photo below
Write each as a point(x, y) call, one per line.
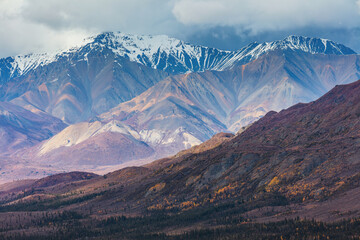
point(38, 25)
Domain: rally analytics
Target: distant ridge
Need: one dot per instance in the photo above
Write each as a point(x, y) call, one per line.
point(173, 55)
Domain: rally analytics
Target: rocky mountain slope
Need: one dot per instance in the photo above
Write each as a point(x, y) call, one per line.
point(184, 110)
point(79, 83)
point(20, 128)
point(241, 95)
point(300, 162)
point(130, 104)
point(305, 154)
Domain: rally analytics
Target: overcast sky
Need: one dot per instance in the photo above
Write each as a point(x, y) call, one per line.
point(46, 25)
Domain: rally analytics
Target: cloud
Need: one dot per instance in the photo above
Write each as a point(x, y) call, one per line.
point(19, 34)
point(268, 15)
point(38, 25)
point(94, 14)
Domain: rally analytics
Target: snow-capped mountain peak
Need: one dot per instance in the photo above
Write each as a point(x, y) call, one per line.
point(314, 45)
point(22, 64)
point(294, 43)
point(134, 45)
point(162, 52)
point(173, 55)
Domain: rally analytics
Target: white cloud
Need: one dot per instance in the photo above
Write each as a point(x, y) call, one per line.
point(95, 14)
point(268, 15)
point(195, 12)
point(358, 3)
point(39, 25)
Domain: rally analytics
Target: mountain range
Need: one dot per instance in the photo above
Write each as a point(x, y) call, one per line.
point(131, 99)
point(302, 162)
point(87, 80)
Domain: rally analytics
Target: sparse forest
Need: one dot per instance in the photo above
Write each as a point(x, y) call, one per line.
point(201, 223)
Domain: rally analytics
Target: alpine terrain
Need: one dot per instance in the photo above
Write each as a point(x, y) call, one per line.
point(124, 100)
point(300, 163)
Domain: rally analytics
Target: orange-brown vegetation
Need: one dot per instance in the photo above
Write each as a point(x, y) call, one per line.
point(302, 161)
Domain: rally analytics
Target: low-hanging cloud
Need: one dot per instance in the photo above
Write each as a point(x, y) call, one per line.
point(131, 15)
point(266, 15)
point(38, 25)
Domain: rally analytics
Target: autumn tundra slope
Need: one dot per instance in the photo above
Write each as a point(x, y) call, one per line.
point(302, 161)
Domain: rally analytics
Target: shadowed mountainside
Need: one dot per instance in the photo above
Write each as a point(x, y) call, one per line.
point(20, 128)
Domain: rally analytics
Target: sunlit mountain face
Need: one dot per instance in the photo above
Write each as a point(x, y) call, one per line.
point(300, 163)
point(180, 119)
point(122, 99)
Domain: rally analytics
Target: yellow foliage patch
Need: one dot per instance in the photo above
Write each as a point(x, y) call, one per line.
point(188, 205)
point(226, 189)
point(157, 187)
point(156, 207)
point(274, 181)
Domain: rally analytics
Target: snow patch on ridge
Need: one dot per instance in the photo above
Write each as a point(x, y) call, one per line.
point(190, 140)
point(80, 132)
point(157, 137)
